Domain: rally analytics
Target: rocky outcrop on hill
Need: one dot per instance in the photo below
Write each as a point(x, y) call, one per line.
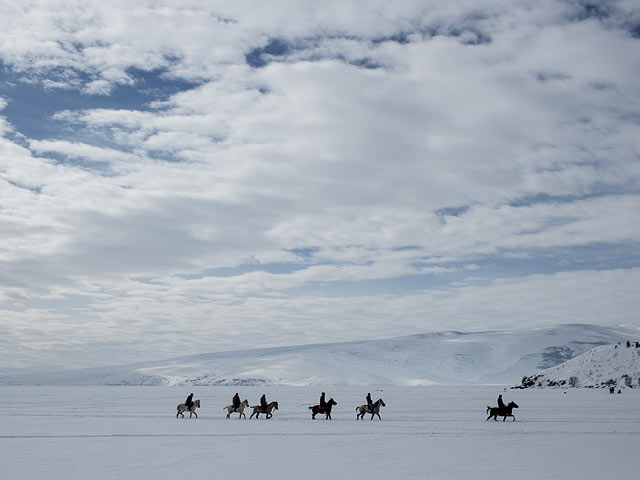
point(607, 366)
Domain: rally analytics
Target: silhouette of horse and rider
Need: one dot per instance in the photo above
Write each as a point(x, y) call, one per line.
point(189, 405)
point(371, 407)
point(323, 407)
point(502, 410)
point(264, 407)
point(237, 406)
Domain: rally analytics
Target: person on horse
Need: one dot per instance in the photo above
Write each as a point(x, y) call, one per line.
point(369, 402)
point(189, 401)
point(501, 404)
point(236, 401)
point(263, 402)
point(323, 402)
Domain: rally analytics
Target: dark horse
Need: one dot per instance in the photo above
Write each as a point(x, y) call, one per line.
point(316, 409)
point(502, 412)
point(362, 409)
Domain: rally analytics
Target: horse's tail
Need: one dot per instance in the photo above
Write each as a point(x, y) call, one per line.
point(310, 408)
point(488, 408)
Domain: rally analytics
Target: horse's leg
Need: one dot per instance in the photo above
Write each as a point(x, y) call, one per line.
point(378, 414)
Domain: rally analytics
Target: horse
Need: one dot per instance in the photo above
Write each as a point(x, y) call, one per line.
point(257, 410)
point(502, 412)
point(362, 409)
point(240, 409)
point(316, 409)
point(192, 410)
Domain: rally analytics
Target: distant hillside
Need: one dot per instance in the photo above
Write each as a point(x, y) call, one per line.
point(498, 357)
point(609, 365)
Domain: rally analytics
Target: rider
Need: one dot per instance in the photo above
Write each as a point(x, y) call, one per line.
point(189, 401)
point(323, 402)
point(369, 402)
point(263, 402)
point(236, 401)
point(500, 402)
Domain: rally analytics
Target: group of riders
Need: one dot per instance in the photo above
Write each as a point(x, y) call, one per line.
point(323, 403)
point(236, 401)
point(263, 401)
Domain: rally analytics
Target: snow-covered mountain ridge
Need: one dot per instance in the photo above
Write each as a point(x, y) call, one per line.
point(445, 358)
point(615, 365)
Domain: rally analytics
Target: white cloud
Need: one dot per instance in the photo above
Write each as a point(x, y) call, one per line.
point(154, 313)
point(382, 143)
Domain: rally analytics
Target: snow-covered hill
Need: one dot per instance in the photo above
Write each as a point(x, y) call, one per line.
point(445, 357)
point(609, 365)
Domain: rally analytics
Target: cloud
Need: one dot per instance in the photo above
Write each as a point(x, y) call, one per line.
point(414, 165)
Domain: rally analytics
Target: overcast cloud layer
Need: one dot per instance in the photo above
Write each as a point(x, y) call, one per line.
point(186, 176)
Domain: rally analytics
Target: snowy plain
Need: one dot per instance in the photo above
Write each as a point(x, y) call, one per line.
point(426, 432)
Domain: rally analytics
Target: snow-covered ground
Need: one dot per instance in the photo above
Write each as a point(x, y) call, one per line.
point(436, 432)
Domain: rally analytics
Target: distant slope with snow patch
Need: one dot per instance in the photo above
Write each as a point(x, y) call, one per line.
point(499, 357)
point(608, 365)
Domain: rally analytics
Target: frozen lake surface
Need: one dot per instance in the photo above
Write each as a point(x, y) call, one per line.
point(435, 432)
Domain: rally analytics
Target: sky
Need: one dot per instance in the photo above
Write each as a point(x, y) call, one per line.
point(182, 177)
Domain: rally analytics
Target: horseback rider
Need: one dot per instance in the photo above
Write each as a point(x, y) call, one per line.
point(189, 401)
point(263, 402)
point(236, 401)
point(323, 402)
point(369, 402)
point(501, 404)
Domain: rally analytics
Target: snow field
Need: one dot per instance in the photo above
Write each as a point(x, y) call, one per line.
point(426, 432)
